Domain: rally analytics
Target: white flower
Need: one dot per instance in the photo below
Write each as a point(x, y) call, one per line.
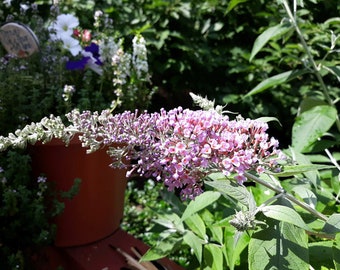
point(72, 45)
point(8, 3)
point(108, 48)
point(24, 7)
point(91, 63)
point(139, 57)
point(64, 25)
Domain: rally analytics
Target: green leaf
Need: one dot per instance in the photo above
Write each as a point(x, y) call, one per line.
point(284, 213)
point(267, 119)
point(210, 221)
point(196, 225)
point(336, 252)
point(280, 246)
point(213, 256)
point(194, 242)
point(233, 4)
point(276, 80)
point(309, 103)
point(297, 169)
point(306, 195)
point(235, 243)
point(200, 202)
point(320, 254)
point(268, 34)
point(311, 125)
point(335, 70)
point(170, 221)
point(231, 189)
point(332, 225)
point(312, 175)
point(162, 249)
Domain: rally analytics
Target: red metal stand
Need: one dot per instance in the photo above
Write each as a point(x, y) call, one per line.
point(96, 256)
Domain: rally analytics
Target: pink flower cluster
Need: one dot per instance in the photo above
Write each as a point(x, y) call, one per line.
point(181, 147)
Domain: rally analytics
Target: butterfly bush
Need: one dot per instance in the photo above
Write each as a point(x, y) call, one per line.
point(180, 147)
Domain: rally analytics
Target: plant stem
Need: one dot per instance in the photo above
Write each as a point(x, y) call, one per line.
point(311, 59)
point(288, 196)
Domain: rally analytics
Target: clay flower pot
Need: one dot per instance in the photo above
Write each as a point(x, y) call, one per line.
point(97, 210)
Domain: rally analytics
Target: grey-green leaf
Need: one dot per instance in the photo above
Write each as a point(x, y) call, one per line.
point(231, 189)
point(311, 125)
point(194, 242)
point(297, 169)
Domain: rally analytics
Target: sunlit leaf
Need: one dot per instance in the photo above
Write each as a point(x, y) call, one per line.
point(196, 225)
point(234, 245)
point(297, 169)
point(213, 256)
point(231, 189)
point(275, 80)
point(268, 34)
point(194, 242)
point(233, 4)
point(332, 225)
point(200, 203)
point(306, 195)
point(280, 246)
point(162, 249)
point(311, 125)
point(284, 213)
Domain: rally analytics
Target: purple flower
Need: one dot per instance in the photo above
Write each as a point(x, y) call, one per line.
point(77, 64)
point(181, 147)
point(90, 59)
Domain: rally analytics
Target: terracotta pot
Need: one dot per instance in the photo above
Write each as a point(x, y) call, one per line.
point(97, 210)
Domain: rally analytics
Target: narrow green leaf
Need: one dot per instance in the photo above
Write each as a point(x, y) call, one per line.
point(275, 80)
point(297, 169)
point(311, 125)
point(170, 221)
point(196, 225)
point(286, 214)
point(162, 249)
point(200, 203)
point(231, 189)
point(336, 252)
point(268, 34)
point(233, 4)
point(235, 243)
point(306, 195)
point(335, 70)
point(312, 175)
point(210, 221)
point(268, 119)
point(194, 242)
point(213, 256)
point(280, 246)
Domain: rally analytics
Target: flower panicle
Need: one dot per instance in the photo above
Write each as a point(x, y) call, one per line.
point(181, 147)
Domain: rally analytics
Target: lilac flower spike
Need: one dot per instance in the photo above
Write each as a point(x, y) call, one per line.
point(181, 147)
